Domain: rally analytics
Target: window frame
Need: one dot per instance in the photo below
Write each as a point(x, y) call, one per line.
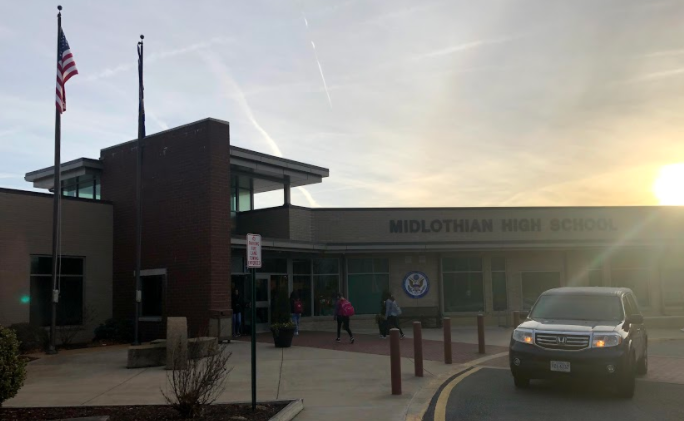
point(75, 182)
point(504, 271)
point(481, 271)
point(373, 274)
point(522, 286)
point(164, 283)
point(48, 276)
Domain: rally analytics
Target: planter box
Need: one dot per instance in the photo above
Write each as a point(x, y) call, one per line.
point(282, 337)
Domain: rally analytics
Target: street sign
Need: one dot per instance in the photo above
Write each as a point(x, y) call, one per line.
point(253, 251)
point(253, 262)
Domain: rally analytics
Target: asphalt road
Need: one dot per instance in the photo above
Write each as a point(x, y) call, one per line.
point(489, 394)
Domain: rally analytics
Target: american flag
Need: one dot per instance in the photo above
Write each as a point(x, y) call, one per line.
point(66, 68)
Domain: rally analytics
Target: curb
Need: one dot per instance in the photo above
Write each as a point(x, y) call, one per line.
point(290, 411)
point(422, 399)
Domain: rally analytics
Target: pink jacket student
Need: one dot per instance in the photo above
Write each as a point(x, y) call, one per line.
point(343, 311)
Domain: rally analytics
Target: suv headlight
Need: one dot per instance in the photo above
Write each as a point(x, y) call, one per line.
point(605, 341)
point(522, 335)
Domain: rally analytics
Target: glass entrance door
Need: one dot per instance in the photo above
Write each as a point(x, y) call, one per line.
point(268, 287)
point(262, 310)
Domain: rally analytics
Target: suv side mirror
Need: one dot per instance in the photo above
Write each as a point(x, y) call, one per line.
point(636, 319)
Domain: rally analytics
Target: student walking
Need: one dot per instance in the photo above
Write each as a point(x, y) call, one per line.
point(238, 306)
point(343, 311)
point(296, 310)
point(392, 312)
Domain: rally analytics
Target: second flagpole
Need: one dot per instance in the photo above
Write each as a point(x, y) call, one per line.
point(138, 193)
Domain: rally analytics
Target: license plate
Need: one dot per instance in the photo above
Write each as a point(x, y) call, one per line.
point(562, 366)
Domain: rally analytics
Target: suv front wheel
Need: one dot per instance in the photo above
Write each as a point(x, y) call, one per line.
point(626, 382)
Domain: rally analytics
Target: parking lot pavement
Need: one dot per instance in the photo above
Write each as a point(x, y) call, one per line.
point(489, 394)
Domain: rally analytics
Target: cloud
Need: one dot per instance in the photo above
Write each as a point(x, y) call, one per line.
point(6, 32)
point(159, 56)
point(4, 175)
point(400, 13)
point(650, 77)
point(461, 47)
point(8, 132)
point(666, 53)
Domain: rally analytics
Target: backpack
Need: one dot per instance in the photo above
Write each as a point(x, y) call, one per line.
point(298, 307)
point(346, 309)
point(396, 306)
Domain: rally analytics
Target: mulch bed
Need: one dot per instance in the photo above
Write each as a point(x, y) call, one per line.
point(217, 412)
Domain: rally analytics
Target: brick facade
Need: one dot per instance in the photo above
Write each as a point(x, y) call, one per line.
point(186, 221)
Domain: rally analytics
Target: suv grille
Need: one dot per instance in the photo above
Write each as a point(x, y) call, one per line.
point(561, 341)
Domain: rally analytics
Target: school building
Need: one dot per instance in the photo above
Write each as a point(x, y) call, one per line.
point(198, 205)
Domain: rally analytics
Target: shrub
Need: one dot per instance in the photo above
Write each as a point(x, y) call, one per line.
point(12, 365)
point(30, 337)
point(197, 383)
point(117, 330)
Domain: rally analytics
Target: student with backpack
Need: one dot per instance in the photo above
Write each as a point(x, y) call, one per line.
point(392, 312)
point(343, 311)
point(296, 310)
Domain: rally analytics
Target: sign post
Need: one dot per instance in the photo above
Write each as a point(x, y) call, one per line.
point(253, 263)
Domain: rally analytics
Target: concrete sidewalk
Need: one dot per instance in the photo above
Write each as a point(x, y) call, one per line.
point(334, 383)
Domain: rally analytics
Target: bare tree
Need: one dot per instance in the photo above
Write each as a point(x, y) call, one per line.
point(197, 383)
point(67, 334)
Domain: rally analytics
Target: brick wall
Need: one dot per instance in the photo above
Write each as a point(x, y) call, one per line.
point(186, 220)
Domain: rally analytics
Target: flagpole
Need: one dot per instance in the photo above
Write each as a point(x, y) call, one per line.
point(138, 195)
point(57, 190)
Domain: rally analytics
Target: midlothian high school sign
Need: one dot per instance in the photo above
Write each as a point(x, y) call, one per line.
point(408, 226)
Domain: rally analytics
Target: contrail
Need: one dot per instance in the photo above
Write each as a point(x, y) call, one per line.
point(221, 71)
point(159, 122)
point(159, 56)
point(229, 85)
point(320, 68)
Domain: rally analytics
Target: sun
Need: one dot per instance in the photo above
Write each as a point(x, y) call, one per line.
point(669, 186)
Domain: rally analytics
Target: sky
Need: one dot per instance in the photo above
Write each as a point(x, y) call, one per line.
point(409, 104)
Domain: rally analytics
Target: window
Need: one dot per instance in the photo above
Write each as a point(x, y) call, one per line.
point(367, 280)
point(326, 283)
point(596, 278)
point(673, 286)
point(629, 269)
point(463, 285)
point(273, 265)
point(301, 283)
point(152, 288)
point(84, 187)
point(499, 295)
point(70, 285)
point(244, 194)
point(534, 283)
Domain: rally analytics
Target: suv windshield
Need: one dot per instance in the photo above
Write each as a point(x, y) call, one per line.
point(578, 307)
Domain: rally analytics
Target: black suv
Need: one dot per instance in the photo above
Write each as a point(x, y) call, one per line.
point(588, 332)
